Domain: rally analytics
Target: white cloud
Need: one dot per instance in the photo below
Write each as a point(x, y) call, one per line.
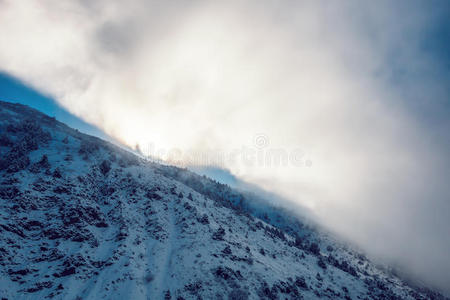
point(309, 75)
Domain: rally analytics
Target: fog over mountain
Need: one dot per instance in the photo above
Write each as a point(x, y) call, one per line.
point(82, 218)
point(355, 97)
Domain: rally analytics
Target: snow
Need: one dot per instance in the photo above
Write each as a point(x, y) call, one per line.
point(134, 233)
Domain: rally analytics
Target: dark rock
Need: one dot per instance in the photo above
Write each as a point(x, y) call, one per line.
point(9, 193)
point(314, 249)
point(22, 272)
point(153, 195)
point(321, 263)
point(39, 286)
point(301, 283)
point(203, 219)
point(193, 288)
point(66, 272)
point(105, 167)
point(227, 273)
point(57, 173)
point(219, 234)
point(62, 190)
point(227, 250)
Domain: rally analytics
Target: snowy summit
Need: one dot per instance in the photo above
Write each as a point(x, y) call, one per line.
point(84, 219)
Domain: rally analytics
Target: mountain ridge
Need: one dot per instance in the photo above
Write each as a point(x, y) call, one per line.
point(85, 219)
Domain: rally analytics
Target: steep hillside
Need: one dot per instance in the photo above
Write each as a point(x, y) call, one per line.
point(84, 219)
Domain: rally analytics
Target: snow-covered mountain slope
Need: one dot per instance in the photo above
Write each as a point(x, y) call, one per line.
point(84, 219)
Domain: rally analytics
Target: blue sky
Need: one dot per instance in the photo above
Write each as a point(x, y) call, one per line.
point(13, 90)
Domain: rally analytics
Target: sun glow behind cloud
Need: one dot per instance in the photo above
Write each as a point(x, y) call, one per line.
point(209, 77)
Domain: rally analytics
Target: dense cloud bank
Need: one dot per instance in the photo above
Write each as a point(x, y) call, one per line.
point(355, 94)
